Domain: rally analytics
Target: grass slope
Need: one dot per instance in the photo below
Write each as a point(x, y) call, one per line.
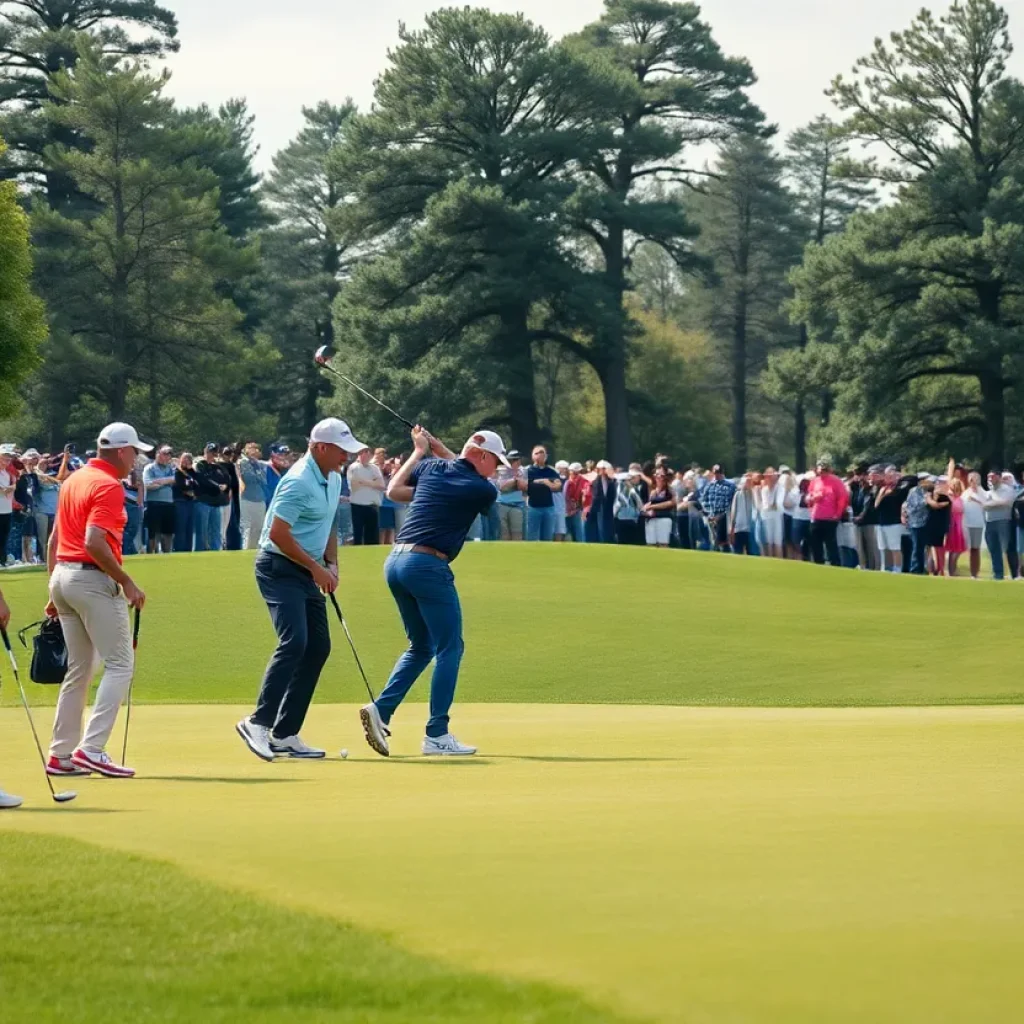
point(89, 934)
point(690, 865)
point(600, 624)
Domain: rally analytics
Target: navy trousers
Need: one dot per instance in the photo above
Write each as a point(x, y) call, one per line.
point(299, 613)
point(424, 590)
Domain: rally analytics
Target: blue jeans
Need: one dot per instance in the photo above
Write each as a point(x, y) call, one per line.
point(540, 523)
point(184, 525)
point(918, 551)
point(343, 523)
point(131, 529)
point(299, 613)
point(424, 590)
point(492, 523)
point(997, 537)
point(207, 519)
point(576, 528)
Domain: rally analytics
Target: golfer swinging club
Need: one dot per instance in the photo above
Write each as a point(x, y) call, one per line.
point(446, 495)
point(297, 564)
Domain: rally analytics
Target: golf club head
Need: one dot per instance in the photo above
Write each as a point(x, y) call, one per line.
point(64, 798)
point(324, 354)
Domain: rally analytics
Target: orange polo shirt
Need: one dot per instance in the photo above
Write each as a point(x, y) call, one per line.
point(91, 496)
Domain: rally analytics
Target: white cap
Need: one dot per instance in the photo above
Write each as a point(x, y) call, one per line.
point(575, 467)
point(32, 453)
point(562, 464)
point(604, 464)
point(336, 432)
point(784, 469)
point(489, 441)
point(121, 435)
point(8, 449)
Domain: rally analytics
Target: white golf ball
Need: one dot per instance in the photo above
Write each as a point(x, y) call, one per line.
point(344, 753)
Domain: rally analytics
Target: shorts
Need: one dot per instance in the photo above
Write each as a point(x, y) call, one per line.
point(29, 529)
point(159, 518)
point(975, 537)
point(386, 517)
point(659, 531)
point(890, 538)
point(771, 522)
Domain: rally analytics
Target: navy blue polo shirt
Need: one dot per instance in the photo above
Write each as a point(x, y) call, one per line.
point(447, 498)
point(540, 495)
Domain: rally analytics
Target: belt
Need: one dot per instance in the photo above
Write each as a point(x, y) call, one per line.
point(418, 549)
point(81, 565)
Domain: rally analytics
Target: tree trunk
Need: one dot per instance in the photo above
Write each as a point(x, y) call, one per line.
point(993, 409)
point(618, 435)
point(800, 437)
point(516, 354)
point(739, 384)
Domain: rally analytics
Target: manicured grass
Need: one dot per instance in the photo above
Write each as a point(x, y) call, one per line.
point(600, 624)
point(90, 934)
point(777, 866)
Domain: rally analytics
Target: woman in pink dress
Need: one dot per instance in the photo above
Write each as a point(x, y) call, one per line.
point(956, 539)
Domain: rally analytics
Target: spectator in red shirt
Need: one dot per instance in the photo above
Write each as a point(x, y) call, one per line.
point(577, 502)
point(828, 499)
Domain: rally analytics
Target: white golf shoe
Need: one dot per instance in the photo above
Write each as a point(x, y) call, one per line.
point(446, 746)
point(8, 801)
point(256, 738)
point(294, 746)
point(376, 731)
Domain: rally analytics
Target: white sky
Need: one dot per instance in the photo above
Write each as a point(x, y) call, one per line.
point(283, 56)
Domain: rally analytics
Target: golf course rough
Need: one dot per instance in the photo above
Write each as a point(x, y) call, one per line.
point(626, 860)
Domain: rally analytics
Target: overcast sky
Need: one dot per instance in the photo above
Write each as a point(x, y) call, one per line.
point(283, 55)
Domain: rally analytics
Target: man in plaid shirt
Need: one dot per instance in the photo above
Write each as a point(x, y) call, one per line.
point(716, 499)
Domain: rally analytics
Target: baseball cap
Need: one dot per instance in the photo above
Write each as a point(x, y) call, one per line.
point(512, 455)
point(562, 464)
point(120, 435)
point(489, 441)
point(211, 446)
point(604, 464)
point(165, 449)
point(575, 467)
point(8, 449)
point(280, 449)
point(336, 432)
point(32, 453)
point(716, 468)
point(784, 469)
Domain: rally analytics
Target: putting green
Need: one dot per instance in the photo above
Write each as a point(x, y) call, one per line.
point(698, 865)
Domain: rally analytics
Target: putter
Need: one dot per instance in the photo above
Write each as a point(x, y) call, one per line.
point(323, 357)
point(131, 684)
point(351, 643)
point(68, 795)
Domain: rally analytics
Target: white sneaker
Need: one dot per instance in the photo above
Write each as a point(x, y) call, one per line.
point(9, 802)
point(256, 738)
point(446, 746)
point(376, 731)
point(293, 746)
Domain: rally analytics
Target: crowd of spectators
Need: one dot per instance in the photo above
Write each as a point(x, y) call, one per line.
point(875, 517)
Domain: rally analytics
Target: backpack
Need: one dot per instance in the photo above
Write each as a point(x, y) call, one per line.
point(49, 652)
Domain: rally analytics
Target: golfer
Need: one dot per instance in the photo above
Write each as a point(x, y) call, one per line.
point(8, 801)
point(91, 593)
point(297, 563)
point(446, 495)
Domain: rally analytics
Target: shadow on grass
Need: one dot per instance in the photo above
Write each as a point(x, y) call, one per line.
point(216, 778)
point(72, 809)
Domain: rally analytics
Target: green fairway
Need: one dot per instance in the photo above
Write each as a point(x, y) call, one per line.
point(596, 623)
point(773, 866)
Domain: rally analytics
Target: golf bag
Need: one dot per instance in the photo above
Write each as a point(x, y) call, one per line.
point(49, 652)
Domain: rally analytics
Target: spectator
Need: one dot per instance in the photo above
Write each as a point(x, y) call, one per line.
point(541, 484)
point(26, 493)
point(277, 466)
point(231, 514)
point(1018, 519)
point(402, 511)
point(828, 500)
point(558, 497)
point(801, 531)
point(956, 538)
point(716, 500)
point(975, 500)
point(343, 523)
point(998, 520)
point(158, 481)
point(45, 503)
point(600, 518)
point(577, 502)
point(252, 487)
point(741, 517)
point(366, 482)
point(889, 503)
point(937, 527)
point(865, 515)
point(659, 511)
point(185, 492)
point(690, 507)
point(386, 520)
point(628, 504)
point(511, 502)
point(134, 502)
point(772, 498)
point(212, 495)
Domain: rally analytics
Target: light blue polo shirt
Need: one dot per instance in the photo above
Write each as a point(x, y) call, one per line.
point(307, 503)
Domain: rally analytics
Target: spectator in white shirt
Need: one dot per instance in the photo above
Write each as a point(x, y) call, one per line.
point(998, 519)
point(975, 500)
point(771, 501)
point(366, 482)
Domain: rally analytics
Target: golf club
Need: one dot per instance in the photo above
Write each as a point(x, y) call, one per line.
point(68, 795)
point(351, 643)
point(131, 685)
point(323, 357)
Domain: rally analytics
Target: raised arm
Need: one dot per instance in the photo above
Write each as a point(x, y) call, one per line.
point(400, 490)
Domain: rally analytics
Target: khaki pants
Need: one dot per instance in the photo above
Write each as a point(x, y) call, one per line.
point(867, 547)
point(511, 518)
point(251, 520)
point(94, 615)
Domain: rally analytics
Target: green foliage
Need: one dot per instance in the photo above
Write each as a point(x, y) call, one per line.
point(22, 316)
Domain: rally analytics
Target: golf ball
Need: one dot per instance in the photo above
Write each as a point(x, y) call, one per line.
point(344, 753)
